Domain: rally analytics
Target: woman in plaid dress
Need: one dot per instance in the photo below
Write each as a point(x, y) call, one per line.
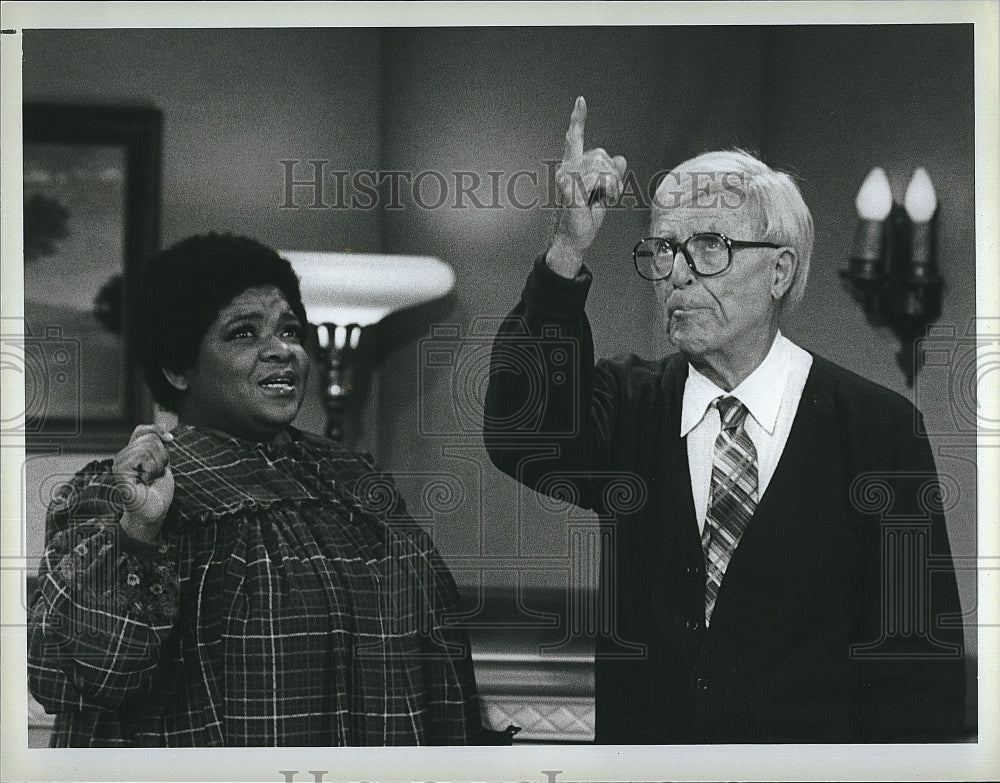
point(238, 581)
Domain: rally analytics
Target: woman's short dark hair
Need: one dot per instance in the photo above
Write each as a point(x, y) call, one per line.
point(181, 291)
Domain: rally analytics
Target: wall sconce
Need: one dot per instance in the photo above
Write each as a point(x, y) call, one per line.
point(346, 293)
point(892, 270)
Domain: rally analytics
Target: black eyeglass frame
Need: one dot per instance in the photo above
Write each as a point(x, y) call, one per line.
point(731, 245)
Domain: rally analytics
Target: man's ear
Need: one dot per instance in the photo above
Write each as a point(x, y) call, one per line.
point(784, 272)
point(178, 380)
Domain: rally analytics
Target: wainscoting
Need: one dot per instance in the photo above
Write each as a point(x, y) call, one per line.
point(532, 670)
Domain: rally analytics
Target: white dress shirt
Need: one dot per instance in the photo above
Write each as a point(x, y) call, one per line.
point(771, 394)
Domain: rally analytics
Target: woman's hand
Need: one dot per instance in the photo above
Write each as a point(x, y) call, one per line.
point(586, 180)
point(144, 481)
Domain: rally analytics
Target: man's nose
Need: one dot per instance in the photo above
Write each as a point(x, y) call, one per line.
point(681, 273)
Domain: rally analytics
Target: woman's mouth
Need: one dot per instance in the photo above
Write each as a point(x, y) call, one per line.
point(280, 383)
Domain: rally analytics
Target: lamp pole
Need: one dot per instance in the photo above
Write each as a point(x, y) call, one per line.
point(339, 345)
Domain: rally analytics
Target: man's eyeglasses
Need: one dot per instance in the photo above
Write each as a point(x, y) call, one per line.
point(707, 254)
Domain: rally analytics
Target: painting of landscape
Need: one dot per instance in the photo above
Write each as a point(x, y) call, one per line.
point(74, 219)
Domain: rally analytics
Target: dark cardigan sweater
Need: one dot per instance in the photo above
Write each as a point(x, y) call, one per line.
point(831, 623)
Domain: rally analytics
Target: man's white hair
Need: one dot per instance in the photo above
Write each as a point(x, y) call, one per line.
point(743, 181)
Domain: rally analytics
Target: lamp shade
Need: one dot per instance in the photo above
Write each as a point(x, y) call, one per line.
point(363, 288)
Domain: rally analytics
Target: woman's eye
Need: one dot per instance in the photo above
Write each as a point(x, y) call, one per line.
point(293, 331)
point(240, 332)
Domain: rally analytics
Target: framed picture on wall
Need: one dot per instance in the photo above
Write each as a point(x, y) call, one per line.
point(91, 216)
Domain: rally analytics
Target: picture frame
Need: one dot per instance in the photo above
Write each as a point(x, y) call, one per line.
point(91, 217)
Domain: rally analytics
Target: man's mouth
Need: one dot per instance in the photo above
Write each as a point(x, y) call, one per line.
point(681, 310)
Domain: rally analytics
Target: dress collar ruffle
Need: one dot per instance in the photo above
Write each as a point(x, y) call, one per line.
point(218, 474)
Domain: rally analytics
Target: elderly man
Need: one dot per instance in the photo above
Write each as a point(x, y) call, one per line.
point(760, 591)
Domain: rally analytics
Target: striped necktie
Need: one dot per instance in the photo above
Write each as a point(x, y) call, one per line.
point(733, 496)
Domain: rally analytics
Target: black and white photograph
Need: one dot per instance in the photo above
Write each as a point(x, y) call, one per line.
point(503, 391)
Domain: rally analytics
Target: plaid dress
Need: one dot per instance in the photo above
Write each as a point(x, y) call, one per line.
point(289, 601)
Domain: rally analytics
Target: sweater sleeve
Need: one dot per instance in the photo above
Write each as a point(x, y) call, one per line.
point(103, 605)
point(550, 409)
point(911, 665)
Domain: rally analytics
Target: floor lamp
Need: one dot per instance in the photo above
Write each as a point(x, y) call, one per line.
point(346, 293)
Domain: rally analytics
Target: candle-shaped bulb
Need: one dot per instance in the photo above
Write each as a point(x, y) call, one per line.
point(920, 200)
point(874, 200)
point(920, 203)
point(874, 203)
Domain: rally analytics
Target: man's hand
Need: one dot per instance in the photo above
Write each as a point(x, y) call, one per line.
point(586, 180)
point(145, 481)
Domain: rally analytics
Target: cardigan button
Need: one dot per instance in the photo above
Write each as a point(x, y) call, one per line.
point(692, 625)
point(702, 684)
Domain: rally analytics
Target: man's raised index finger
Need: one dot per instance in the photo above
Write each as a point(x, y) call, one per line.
point(574, 135)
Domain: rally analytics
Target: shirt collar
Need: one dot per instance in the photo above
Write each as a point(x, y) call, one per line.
point(761, 391)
